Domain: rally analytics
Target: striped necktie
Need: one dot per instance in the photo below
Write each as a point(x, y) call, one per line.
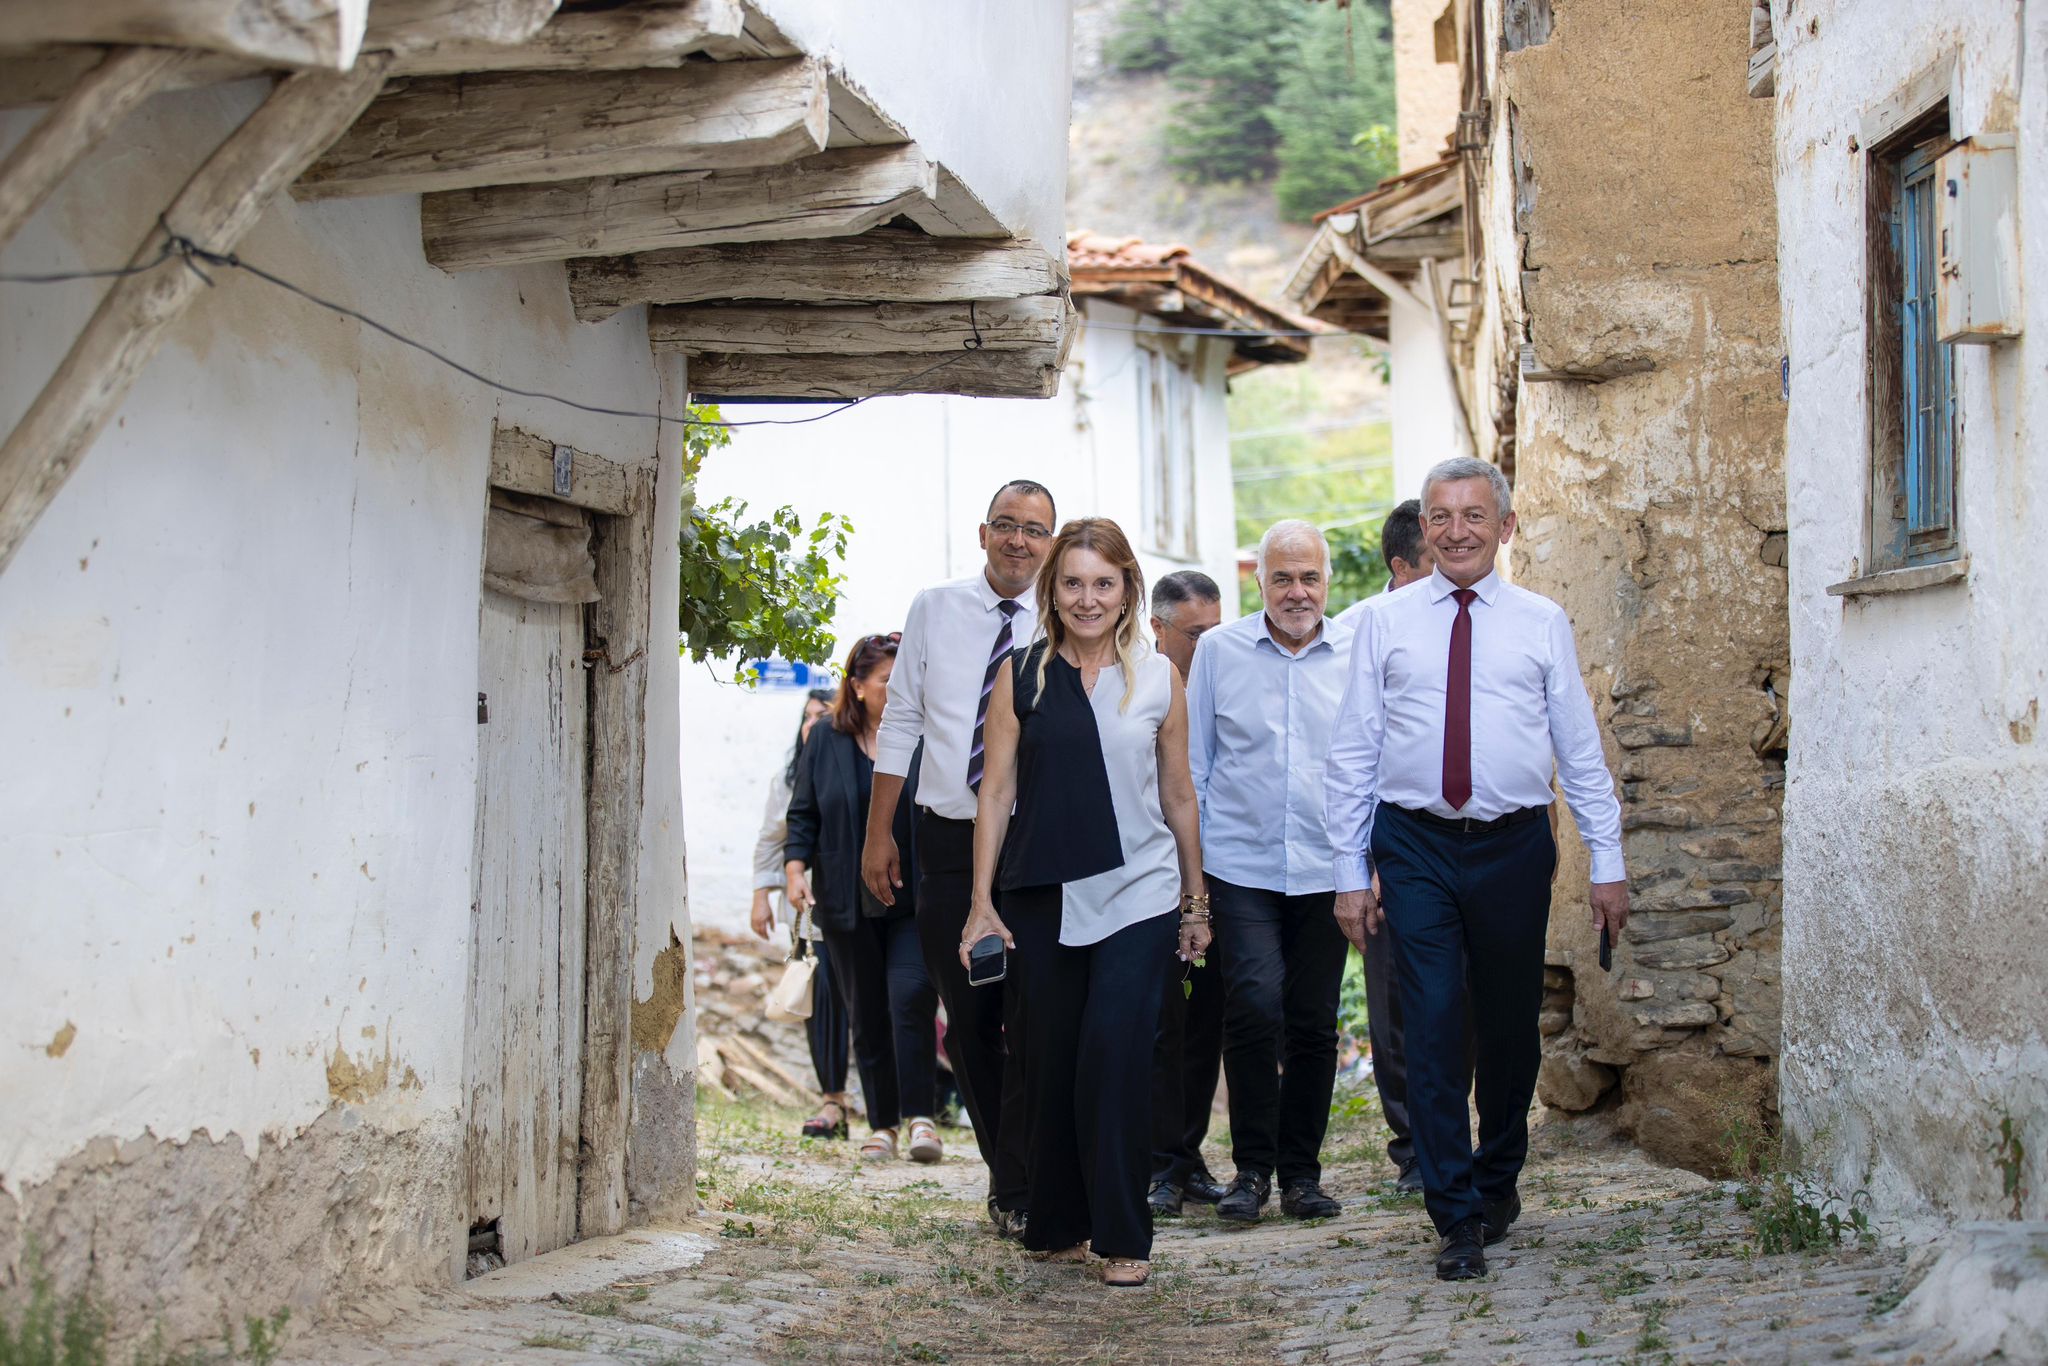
point(996, 655)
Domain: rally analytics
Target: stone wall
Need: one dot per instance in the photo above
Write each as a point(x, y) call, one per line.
point(1632, 243)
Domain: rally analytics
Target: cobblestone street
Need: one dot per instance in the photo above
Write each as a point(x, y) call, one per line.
point(804, 1254)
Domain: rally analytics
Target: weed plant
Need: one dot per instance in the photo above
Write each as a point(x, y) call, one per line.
point(1781, 1216)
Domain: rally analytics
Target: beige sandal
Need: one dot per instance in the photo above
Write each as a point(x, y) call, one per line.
point(924, 1142)
point(880, 1146)
point(1077, 1253)
point(1126, 1274)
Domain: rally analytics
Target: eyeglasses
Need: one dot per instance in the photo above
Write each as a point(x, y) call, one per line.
point(1004, 529)
point(892, 638)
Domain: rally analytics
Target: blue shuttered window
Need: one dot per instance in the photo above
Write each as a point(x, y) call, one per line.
point(1923, 512)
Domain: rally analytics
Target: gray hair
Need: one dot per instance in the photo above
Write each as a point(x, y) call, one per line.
point(1465, 467)
point(1293, 529)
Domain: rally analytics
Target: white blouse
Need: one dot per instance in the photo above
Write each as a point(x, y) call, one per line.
point(1148, 883)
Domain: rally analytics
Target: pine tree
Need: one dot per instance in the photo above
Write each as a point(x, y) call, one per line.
point(1229, 60)
point(1141, 40)
point(1330, 110)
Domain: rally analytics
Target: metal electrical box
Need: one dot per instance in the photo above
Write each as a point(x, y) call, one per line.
point(1977, 234)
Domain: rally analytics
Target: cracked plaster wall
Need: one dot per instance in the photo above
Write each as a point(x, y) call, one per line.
point(237, 668)
point(1916, 893)
point(1630, 230)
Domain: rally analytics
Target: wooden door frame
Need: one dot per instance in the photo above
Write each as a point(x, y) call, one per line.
point(621, 498)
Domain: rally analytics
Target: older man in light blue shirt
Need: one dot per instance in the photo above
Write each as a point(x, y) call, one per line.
point(1262, 703)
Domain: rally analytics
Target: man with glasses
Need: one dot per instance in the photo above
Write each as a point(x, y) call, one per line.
point(955, 638)
point(1189, 1054)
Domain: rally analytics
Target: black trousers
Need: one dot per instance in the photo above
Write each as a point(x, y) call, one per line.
point(1185, 1064)
point(827, 1027)
point(1389, 1049)
point(1468, 912)
point(1092, 1013)
point(984, 1025)
point(1283, 967)
point(878, 967)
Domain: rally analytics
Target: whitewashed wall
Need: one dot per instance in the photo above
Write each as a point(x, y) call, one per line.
point(915, 475)
point(983, 87)
point(237, 715)
point(1916, 850)
point(1424, 416)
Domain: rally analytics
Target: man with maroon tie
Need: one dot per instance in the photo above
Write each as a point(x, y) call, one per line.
point(1464, 696)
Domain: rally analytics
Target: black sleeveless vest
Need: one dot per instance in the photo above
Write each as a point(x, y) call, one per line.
point(1064, 827)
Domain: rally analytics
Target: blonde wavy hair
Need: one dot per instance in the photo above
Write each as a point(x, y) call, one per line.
point(1106, 539)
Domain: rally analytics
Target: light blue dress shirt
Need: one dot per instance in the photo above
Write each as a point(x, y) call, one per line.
point(1259, 727)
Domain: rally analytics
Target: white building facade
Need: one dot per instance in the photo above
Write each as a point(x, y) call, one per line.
point(1911, 172)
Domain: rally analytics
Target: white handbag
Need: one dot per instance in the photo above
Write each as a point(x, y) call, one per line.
point(790, 997)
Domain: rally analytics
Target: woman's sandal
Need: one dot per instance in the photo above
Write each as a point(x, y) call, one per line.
point(818, 1126)
point(1125, 1274)
point(924, 1142)
point(880, 1146)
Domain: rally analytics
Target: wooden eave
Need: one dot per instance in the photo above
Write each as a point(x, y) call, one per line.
point(579, 107)
point(1181, 292)
point(1406, 220)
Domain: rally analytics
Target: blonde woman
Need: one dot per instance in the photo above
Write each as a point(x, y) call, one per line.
point(1101, 873)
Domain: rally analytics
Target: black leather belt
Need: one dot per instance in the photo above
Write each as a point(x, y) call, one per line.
point(1472, 825)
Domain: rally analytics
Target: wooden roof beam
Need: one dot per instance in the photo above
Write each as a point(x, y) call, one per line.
point(402, 26)
point(1033, 373)
point(305, 33)
point(888, 265)
point(217, 206)
point(956, 211)
point(833, 194)
point(857, 329)
point(435, 133)
point(659, 33)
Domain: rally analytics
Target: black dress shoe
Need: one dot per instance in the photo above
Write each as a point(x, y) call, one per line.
point(1500, 1215)
point(1460, 1257)
point(1410, 1180)
point(1200, 1188)
point(1304, 1199)
point(1245, 1198)
point(1165, 1200)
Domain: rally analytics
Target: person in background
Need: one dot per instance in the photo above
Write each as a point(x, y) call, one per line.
point(1408, 561)
point(873, 949)
point(1261, 705)
point(1088, 810)
point(1189, 1056)
point(955, 641)
point(827, 1026)
point(1465, 696)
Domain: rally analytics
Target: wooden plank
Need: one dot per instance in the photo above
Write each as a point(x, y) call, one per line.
point(483, 1046)
point(856, 329)
point(402, 26)
point(219, 204)
point(993, 374)
point(953, 210)
point(40, 75)
point(566, 802)
point(760, 39)
point(658, 34)
point(856, 122)
point(303, 33)
point(619, 625)
point(888, 265)
point(102, 97)
point(525, 463)
point(435, 133)
point(833, 194)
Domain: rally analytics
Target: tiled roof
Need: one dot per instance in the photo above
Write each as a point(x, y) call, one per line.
point(1165, 281)
point(1099, 251)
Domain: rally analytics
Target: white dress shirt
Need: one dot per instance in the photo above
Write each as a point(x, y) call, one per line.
point(1259, 727)
point(1529, 710)
point(936, 687)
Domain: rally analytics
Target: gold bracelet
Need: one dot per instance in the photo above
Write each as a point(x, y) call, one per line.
point(1195, 903)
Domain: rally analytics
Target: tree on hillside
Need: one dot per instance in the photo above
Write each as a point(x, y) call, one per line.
point(1334, 92)
point(1143, 37)
point(1229, 57)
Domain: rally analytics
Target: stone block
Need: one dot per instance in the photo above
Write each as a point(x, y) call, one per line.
point(1657, 817)
point(1553, 1022)
point(1650, 927)
point(1679, 1103)
point(1678, 1015)
point(1572, 1081)
point(1682, 953)
point(1636, 988)
point(1633, 735)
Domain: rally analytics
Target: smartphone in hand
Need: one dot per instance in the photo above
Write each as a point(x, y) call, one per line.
point(988, 961)
point(1606, 950)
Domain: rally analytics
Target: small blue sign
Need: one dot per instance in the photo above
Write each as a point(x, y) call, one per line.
point(789, 675)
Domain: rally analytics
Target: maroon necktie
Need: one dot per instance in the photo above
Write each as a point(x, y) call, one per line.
point(1458, 706)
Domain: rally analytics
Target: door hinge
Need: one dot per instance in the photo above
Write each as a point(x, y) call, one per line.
point(483, 708)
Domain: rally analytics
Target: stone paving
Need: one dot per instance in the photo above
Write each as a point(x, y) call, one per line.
point(805, 1254)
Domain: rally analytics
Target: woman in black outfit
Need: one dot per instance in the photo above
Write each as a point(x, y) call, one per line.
point(873, 950)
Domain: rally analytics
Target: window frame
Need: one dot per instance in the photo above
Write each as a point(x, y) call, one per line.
point(1910, 371)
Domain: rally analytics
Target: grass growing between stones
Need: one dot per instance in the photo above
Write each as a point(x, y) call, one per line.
point(73, 1330)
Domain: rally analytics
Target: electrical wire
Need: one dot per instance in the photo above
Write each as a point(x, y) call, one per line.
point(179, 248)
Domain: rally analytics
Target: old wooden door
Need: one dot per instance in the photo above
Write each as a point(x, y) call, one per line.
point(524, 1053)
